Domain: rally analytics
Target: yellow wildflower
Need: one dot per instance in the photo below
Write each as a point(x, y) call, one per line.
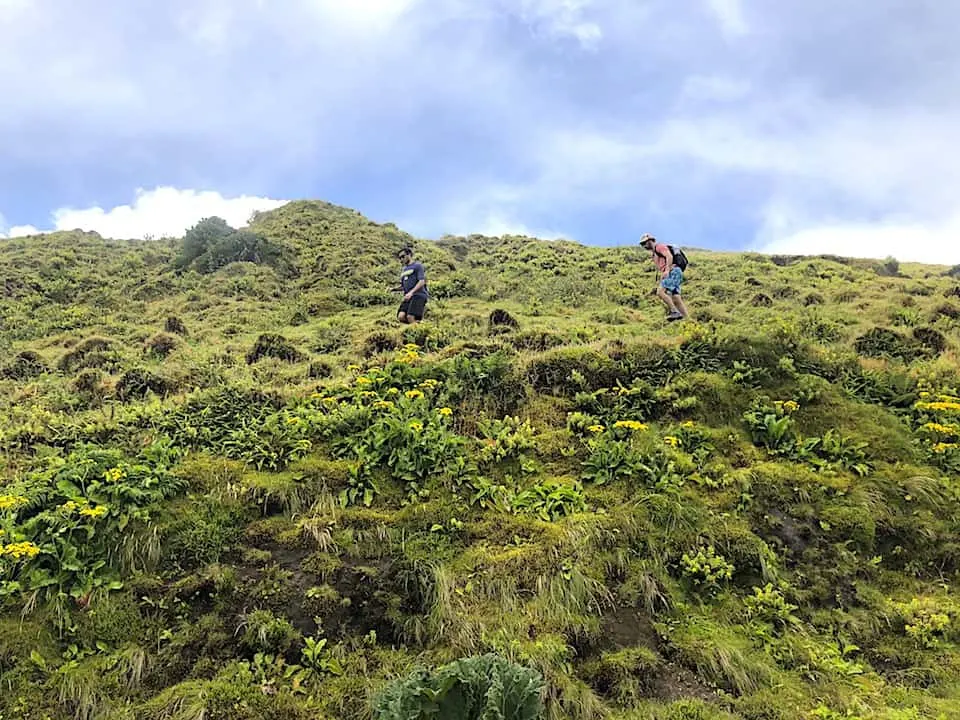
point(383, 405)
point(595, 429)
point(630, 425)
point(331, 401)
point(367, 394)
point(115, 474)
point(19, 550)
point(392, 391)
point(942, 429)
point(94, 512)
point(941, 448)
point(671, 441)
point(12, 502)
point(429, 384)
point(688, 424)
point(293, 420)
point(943, 406)
point(414, 394)
point(790, 406)
point(363, 380)
point(445, 411)
point(416, 426)
point(353, 368)
point(411, 347)
point(68, 507)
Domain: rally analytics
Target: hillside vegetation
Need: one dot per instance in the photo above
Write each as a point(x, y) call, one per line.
point(233, 488)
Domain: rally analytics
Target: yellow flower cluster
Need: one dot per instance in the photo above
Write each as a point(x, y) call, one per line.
point(19, 550)
point(363, 380)
point(293, 420)
point(114, 474)
point(445, 411)
point(788, 406)
point(414, 394)
point(630, 425)
point(367, 394)
point(408, 354)
point(416, 426)
point(942, 429)
point(595, 429)
point(383, 405)
point(939, 406)
point(429, 384)
point(941, 448)
point(392, 391)
point(688, 424)
point(671, 441)
point(353, 368)
point(94, 512)
point(11, 502)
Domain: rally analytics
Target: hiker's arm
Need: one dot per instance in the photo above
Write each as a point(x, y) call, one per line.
point(420, 283)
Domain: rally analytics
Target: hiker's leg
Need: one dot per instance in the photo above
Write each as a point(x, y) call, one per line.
point(681, 305)
point(402, 317)
point(666, 298)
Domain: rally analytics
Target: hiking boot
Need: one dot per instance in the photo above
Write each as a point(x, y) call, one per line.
point(674, 316)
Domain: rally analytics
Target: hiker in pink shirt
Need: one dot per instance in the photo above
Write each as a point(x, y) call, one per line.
point(671, 277)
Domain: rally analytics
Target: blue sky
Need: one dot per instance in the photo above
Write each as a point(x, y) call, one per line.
point(796, 125)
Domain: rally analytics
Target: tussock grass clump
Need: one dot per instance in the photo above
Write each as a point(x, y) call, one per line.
point(138, 382)
point(175, 325)
point(270, 345)
point(160, 345)
point(90, 352)
point(24, 366)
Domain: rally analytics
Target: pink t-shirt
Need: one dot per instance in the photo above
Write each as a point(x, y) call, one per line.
point(660, 254)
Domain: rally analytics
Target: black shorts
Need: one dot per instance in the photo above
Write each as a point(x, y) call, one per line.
point(414, 307)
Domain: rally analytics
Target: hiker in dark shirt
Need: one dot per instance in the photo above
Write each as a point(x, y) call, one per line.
point(413, 284)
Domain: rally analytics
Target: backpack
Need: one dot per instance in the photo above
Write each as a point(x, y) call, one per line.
point(679, 259)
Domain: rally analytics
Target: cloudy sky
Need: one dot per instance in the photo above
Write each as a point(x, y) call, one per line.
point(794, 125)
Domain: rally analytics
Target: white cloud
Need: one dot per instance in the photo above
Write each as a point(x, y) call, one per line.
point(714, 88)
point(563, 18)
point(22, 231)
point(161, 212)
point(730, 15)
point(907, 242)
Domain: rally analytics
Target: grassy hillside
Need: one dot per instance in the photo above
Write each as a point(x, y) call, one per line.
point(238, 490)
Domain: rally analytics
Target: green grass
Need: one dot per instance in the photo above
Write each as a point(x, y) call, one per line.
point(202, 474)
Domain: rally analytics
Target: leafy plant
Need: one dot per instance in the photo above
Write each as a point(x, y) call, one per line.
point(550, 500)
point(476, 688)
point(707, 569)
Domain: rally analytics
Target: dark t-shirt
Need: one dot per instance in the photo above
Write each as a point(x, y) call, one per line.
point(410, 276)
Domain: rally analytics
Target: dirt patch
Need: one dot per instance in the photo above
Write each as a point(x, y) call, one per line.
point(628, 627)
point(677, 683)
